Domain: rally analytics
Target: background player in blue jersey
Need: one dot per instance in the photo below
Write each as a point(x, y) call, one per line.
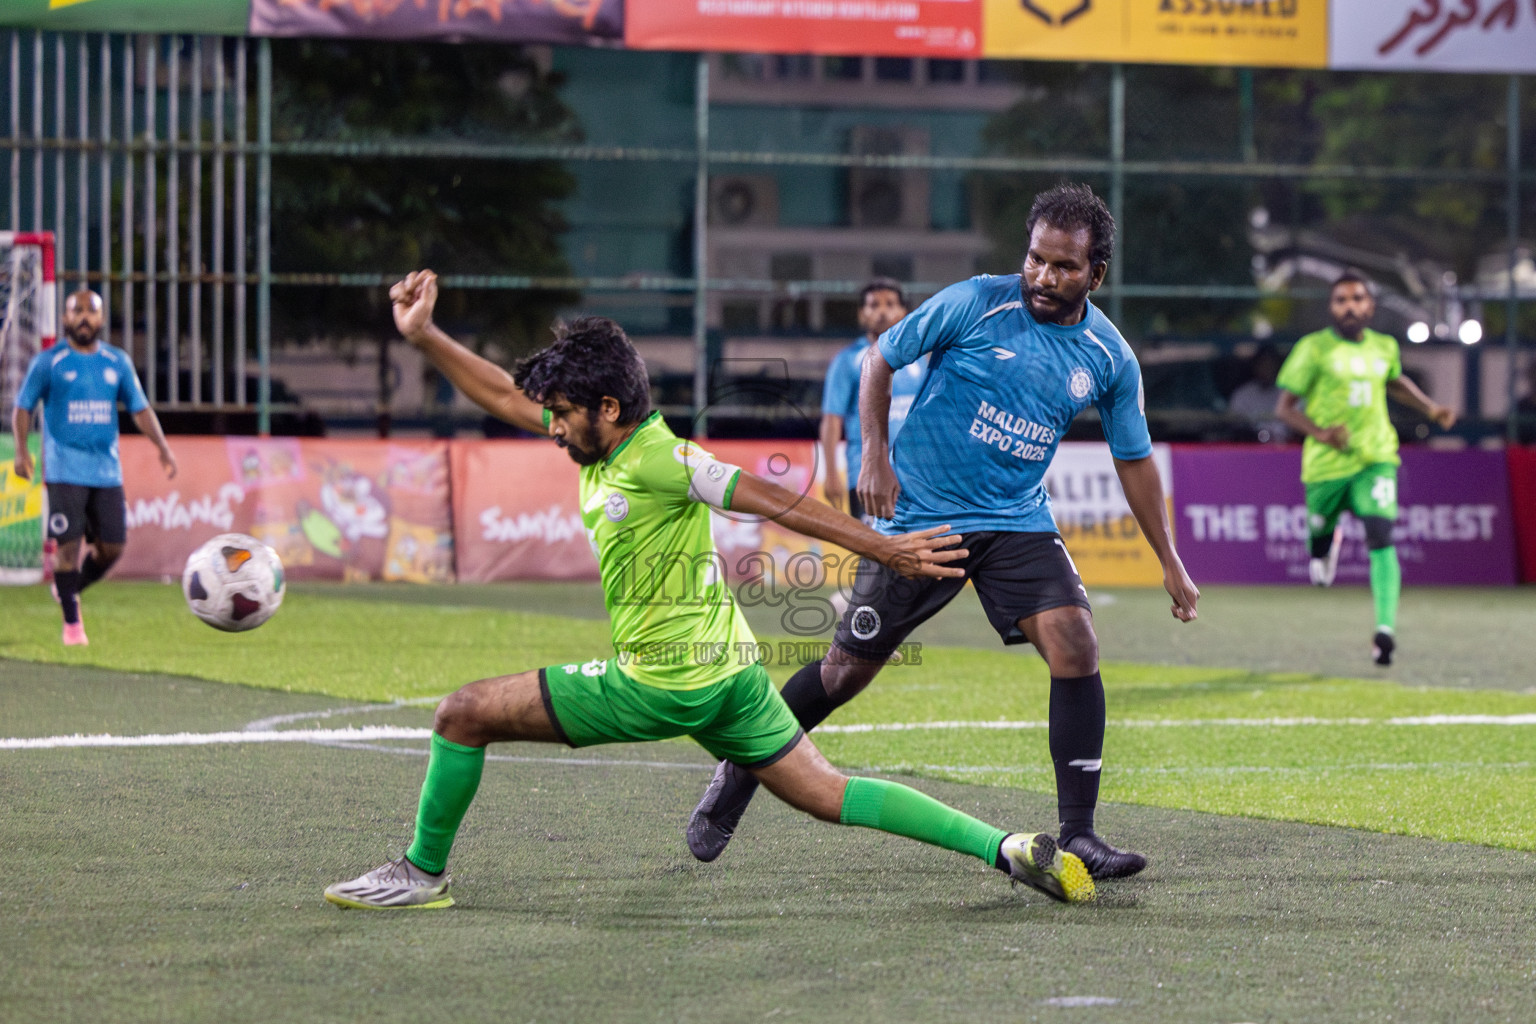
point(882, 303)
point(79, 386)
point(1012, 360)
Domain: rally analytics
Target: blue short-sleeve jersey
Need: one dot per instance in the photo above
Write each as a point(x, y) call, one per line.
point(1000, 391)
point(840, 397)
point(79, 392)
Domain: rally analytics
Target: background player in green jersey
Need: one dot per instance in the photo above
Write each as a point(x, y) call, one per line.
point(683, 660)
point(1344, 374)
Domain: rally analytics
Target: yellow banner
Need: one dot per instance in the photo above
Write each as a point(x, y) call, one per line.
point(1243, 33)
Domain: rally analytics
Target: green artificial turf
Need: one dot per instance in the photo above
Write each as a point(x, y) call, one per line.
point(1284, 746)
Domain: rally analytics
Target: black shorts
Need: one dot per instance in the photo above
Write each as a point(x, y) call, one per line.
point(1016, 575)
point(96, 513)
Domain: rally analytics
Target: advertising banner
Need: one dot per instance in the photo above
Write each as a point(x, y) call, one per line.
point(21, 515)
point(201, 17)
point(1094, 519)
point(918, 28)
point(1242, 518)
point(1249, 33)
point(1522, 494)
point(1433, 35)
point(515, 513)
point(352, 510)
point(520, 21)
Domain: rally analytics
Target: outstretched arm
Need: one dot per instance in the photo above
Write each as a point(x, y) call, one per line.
point(877, 481)
point(21, 426)
point(1407, 392)
point(487, 385)
point(829, 433)
point(149, 424)
point(922, 553)
point(1143, 487)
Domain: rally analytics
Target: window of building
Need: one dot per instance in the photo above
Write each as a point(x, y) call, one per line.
point(893, 69)
point(790, 266)
point(794, 67)
point(840, 314)
point(892, 265)
point(846, 69)
point(946, 72)
point(741, 317)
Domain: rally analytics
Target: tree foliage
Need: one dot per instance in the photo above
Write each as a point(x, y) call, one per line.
point(393, 214)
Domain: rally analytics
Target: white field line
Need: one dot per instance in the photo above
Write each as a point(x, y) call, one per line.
point(1194, 723)
point(365, 734)
point(1261, 769)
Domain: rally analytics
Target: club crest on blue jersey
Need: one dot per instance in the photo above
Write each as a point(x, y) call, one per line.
point(1079, 383)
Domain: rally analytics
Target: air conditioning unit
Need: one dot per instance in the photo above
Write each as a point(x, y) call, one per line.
point(887, 197)
point(744, 200)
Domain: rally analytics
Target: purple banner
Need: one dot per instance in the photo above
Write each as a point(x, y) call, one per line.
point(516, 21)
point(1242, 517)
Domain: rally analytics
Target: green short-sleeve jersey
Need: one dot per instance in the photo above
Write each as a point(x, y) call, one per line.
point(675, 624)
point(1345, 382)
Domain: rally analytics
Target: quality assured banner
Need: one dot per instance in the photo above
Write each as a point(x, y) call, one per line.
point(521, 21)
point(931, 28)
point(201, 17)
point(1433, 35)
point(349, 510)
point(1242, 518)
point(1244, 33)
point(1095, 520)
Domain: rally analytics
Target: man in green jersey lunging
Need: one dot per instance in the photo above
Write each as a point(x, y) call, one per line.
point(1344, 374)
point(683, 659)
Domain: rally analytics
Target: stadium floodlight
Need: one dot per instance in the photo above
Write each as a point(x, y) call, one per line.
point(1470, 332)
point(1418, 332)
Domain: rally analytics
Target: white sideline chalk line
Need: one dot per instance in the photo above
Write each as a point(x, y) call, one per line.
point(367, 733)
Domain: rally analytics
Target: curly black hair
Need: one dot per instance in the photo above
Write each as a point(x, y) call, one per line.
point(591, 358)
point(1072, 206)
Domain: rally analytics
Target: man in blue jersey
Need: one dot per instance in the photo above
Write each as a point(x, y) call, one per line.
point(882, 303)
point(79, 385)
point(1012, 361)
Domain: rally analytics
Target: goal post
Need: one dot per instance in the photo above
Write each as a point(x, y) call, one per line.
point(28, 324)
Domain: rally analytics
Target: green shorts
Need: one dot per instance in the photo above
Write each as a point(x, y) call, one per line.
point(741, 718)
point(1370, 492)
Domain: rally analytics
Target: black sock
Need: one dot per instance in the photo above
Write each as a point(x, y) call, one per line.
point(999, 861)
point(1077, 735)
point(1321, 545)
point(92, 571)
point(807, 698)
point(68, 585)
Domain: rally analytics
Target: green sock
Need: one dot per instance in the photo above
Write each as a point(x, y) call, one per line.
point(453, 775)
point(1386, 586)
point(903, 811)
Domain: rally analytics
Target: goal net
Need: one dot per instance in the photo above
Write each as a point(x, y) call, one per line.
point(28, 311)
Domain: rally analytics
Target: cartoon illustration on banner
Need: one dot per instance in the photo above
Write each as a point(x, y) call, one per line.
point(331, 509)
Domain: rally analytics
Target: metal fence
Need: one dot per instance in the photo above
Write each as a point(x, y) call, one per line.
point(139, 153)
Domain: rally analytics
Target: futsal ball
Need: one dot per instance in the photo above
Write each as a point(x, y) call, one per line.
point(233, 582)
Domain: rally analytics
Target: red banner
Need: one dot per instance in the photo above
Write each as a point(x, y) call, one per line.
point(353, 510)
point(1522, 492)
point(917, 28)
point(516, 515)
